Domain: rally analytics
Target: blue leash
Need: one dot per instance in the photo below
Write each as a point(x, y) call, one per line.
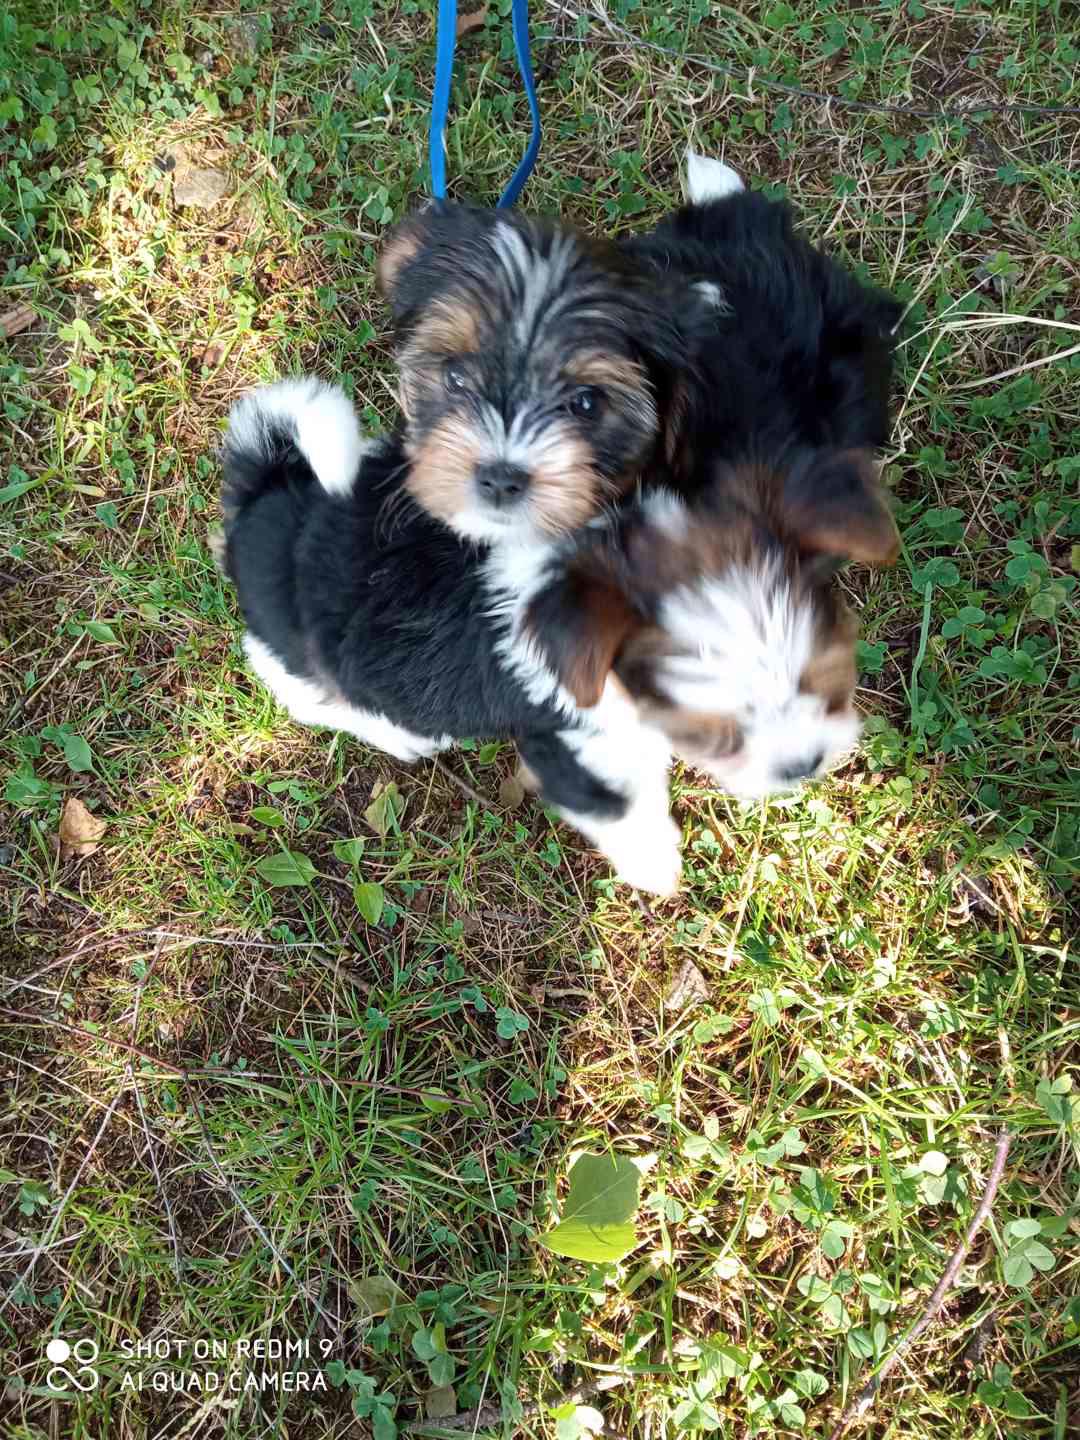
point(445, 42)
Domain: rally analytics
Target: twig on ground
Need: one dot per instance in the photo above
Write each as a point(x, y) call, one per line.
point(239, 942)
point(485, 1416)
point(15, 320)
point(174, 1238)
point(866, 1396)
point(215, 1072)
point(252, 1221)
point(749, 76)
point(54, 1224)
point(463, 785)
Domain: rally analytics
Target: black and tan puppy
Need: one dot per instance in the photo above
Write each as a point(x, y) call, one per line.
point(535, 367)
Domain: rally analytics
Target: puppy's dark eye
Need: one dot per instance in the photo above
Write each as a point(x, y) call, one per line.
point(586, 403)
point(455, 375)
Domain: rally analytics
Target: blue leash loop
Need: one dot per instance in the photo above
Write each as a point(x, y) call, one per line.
point(445, 43)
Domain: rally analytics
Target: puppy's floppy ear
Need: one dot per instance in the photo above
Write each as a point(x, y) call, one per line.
point(581, 622)
point(426, 252)
point(675, 321)
point(834, 504)
point(403, 244)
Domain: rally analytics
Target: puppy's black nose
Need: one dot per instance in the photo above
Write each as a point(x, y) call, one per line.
point(797, 770)
point(501, 483)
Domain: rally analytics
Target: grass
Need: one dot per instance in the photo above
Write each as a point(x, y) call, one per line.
point(341, 1111)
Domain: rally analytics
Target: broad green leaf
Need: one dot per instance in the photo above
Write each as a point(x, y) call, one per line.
point(934, 1163)
point(834, 1237)
point(1015, 1404)
point(816, 1189)
point(77, 753)
point(15, 489)
point(810, 1383)
point(989, 1393)
point(1039, 1256)
point(720, 1363)
point(792, 1414)
point(383, 1424)
point(834, 1313)
point(375, 1294)
point(696, 1147)
point(766, 1006)
point(697, 1413)
point(1024, 1229)
point(349, 852)
point(860, 1342)
point(1003, 1397)
point(369, 901)
point(1016, 1270)
point(597, 1222)
point(286, 868)
point(521, 1091)
point(423, 1345)
point(777, 16)
point(24, 789)
point(386, 805)
point(509, 1022)
point(98, 630)
point(267, 815)
point(1054, 1098)
point(431, 1100)
point(574, 1421)
point(813, 1287)
point(441, 1369)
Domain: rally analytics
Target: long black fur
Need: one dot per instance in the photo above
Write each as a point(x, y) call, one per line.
point(398, 624)
point(799, 353)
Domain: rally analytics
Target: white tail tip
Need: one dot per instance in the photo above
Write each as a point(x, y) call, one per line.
point(709, 179)
point(321, 419)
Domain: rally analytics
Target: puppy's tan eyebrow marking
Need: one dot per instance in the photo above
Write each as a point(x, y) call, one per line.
point(595, 367)
point(449, 326)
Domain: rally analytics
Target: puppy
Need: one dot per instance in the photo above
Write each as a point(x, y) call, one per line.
point(707, 629)
point(535, 366)
point(545, 376)
point(797, 353)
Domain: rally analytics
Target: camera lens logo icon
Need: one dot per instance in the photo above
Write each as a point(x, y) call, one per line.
point(84, 1352)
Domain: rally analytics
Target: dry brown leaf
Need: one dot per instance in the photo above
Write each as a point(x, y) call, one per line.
point(12, 322)
point(472, 21)
point(79, 830)
point(511, 792)
point(689, 987)
point(213, 354)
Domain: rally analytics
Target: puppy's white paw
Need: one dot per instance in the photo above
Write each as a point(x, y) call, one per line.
point(654, 863)
point(709, 179)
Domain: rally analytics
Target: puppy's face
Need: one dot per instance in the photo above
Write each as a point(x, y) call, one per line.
point(722, 621)
point(527, 360)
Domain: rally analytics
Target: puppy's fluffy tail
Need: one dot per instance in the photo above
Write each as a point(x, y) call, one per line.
point(269, 425)
point(708, 179)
